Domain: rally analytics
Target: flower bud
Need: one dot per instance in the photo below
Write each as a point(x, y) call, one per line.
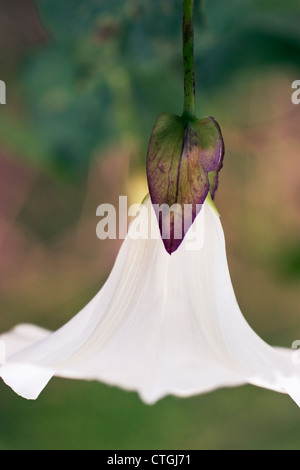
point(183, 160)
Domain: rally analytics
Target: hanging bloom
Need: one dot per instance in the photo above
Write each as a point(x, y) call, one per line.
point(166, 321)
point(160, 325)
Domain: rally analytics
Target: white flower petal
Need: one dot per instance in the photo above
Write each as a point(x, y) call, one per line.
point(160, 325)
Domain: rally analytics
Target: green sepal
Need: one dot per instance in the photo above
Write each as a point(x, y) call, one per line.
point(182, 152)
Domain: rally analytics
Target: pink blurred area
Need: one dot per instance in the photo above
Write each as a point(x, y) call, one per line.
point(44, 272)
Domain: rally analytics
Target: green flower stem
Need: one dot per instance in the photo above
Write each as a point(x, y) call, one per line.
point(188, 57)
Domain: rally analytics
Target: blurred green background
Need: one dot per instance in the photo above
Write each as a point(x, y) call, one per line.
point(86, 81)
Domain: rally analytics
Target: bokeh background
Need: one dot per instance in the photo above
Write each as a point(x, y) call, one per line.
point(86, 81)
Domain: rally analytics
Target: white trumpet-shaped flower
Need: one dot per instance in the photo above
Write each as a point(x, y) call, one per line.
point(160, 325)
